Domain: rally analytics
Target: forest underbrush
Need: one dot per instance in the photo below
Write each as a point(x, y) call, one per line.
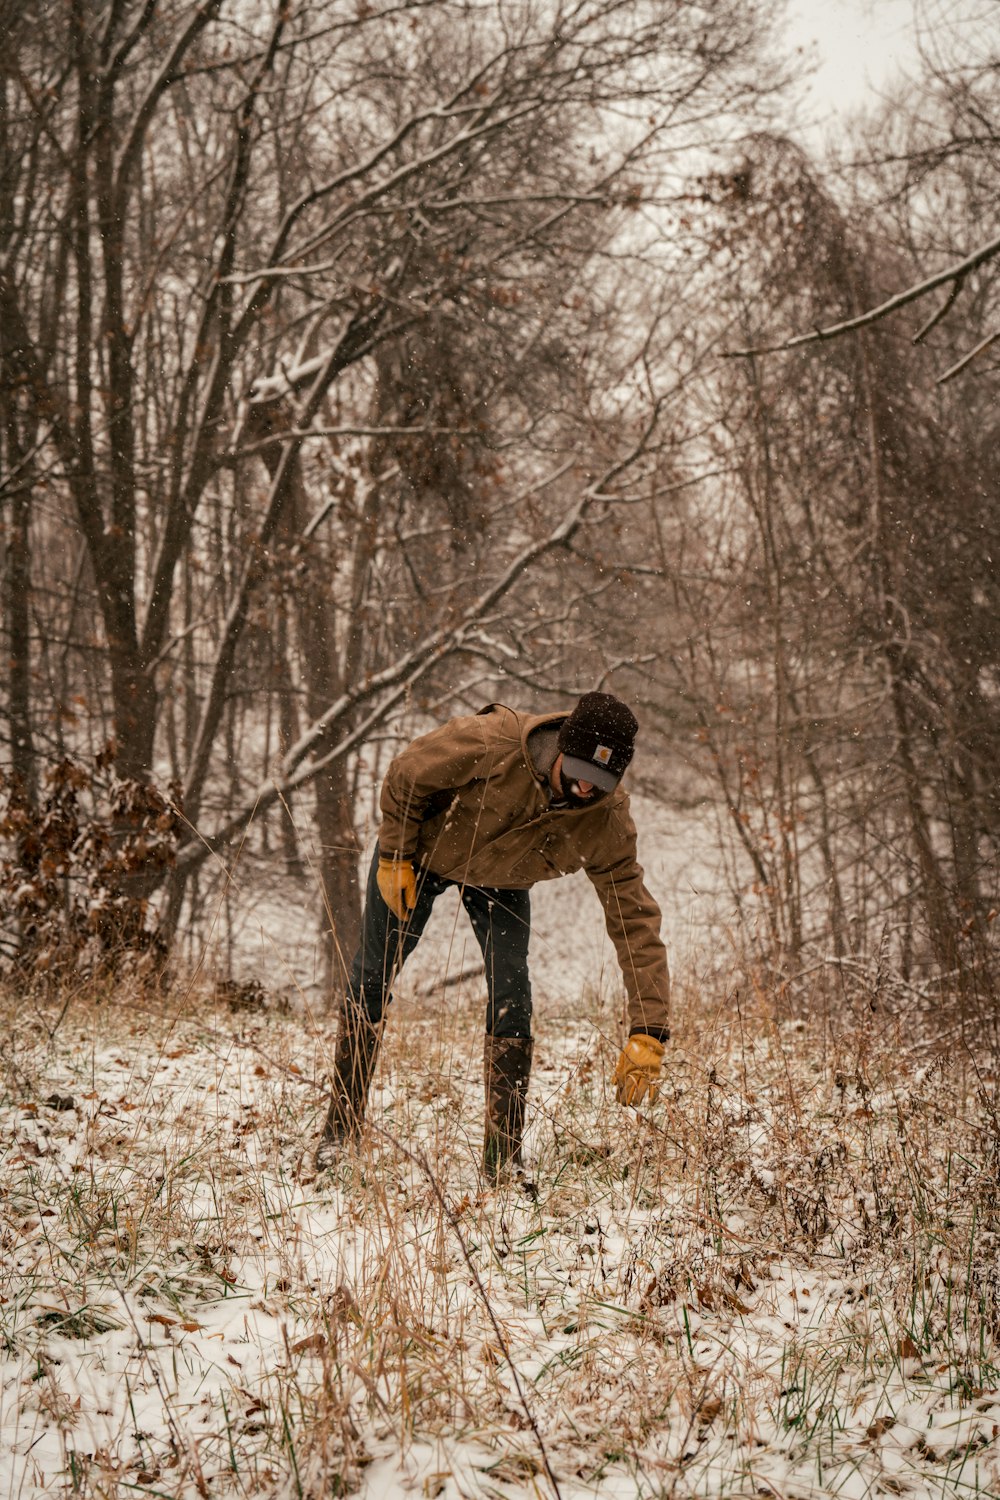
point(782, 1278)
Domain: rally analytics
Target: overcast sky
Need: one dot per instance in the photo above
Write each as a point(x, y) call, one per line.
point(860, 45)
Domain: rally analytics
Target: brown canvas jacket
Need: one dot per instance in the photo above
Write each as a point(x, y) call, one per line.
point(465, 802)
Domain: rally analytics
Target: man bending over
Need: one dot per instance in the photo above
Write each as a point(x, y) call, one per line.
point(493, 803)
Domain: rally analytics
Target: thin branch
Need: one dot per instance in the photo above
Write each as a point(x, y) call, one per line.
point(396, 680)
point(185, 493)
point(115, 65)
point(863, 320)
point(354, 341)
point(420, 1160)
point(389, 686)
point(445, 640)
point(298, 434)
point(168, 75)
point(967, 359)
point(942, 312)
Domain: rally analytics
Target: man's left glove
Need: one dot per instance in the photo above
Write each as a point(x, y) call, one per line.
point(397, 883)
point(638, 1068)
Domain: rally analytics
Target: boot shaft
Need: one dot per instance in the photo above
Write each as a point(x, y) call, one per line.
point(354, 1060)
point(506, 1071)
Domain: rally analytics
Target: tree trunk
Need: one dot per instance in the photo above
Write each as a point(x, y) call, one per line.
point(940, 925)
point(316, 627)
point(17, 586)
point(288, 733)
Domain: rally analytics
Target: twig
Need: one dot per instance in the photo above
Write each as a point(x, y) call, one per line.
point(862, 320)
point(421, 1161)
point(942, 312)
point(967, 359)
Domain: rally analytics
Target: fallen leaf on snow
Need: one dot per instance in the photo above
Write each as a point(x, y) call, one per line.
point(315, 1343)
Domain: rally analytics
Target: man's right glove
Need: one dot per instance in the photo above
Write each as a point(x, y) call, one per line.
point(397, 883)
point(638, 1068)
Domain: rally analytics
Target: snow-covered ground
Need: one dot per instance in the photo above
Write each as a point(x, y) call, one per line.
point(780, 1279)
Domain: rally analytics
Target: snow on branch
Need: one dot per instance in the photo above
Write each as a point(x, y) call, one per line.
point(954, 274)
point(382, 691)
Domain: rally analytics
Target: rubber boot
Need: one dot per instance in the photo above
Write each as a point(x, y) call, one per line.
point(506, 1070)
point(353, 1064)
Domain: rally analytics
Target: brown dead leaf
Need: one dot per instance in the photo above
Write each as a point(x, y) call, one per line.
point(729, 1299)
point(342, 1304)
point(314, 1343)
point(659, 1293)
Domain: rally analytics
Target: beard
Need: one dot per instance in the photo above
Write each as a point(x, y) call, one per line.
point(571, 792)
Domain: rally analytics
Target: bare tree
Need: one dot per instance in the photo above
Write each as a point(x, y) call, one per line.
point(288, 300)
point(844, 685)
point(943, 129)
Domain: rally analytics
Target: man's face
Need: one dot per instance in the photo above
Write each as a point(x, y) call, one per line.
point(577, 793)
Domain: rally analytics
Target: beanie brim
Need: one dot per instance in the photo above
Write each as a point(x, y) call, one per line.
point(585, 770)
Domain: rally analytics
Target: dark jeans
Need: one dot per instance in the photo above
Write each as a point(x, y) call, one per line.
point(501, 921)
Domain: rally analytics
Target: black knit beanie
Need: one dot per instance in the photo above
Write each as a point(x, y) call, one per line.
point(598, 740)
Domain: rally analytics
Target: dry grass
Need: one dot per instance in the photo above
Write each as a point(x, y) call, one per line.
point(782, 1279)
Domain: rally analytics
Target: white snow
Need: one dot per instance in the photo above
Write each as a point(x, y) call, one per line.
point(779, 1279)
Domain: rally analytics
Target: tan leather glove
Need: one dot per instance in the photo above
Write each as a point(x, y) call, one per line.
point(397, 883)
point(637, 1069)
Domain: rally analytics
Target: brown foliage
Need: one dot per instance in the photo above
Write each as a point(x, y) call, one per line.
point(77, 870)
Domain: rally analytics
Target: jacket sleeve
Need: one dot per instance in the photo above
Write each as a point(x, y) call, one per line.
point(633, 923)
point(425, 772)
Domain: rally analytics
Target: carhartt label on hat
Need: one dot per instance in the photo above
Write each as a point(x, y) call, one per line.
point(602, 755)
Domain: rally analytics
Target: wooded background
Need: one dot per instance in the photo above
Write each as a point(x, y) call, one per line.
point(361, 363)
